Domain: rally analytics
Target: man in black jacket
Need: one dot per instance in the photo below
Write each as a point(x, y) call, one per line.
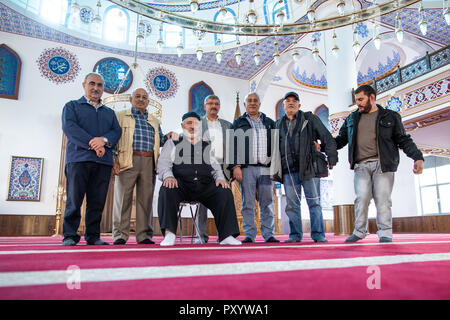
point(374, 136)
point(252, 153)
point(298, 163)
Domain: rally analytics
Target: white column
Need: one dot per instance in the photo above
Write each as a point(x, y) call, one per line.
point(341, 79)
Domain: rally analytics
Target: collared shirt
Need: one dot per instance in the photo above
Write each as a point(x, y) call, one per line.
point(259, 140)
point(216, 136)
point(144, 134)
point(96, 106)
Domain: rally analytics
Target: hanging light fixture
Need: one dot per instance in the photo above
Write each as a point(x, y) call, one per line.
point(251, 14)
point(256, 55)
point(276, 55)
point(399, 29)
point(238, 56)
point(199, 53)
point(219, 52)
point(315, 54)
point(377, 42)
point(194, 6)
point(356, 45)
point(223, 12)
point(140, 32)
point(295, 55)
point(160, 42)
point(341, 7)
point(180, 48)
point(97, 21)
point(423, 25)
point(311, 14)
point(280, 16)
point(335, 49)
point(74, 8)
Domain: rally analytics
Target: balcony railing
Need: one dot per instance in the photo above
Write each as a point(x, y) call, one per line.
point(413, 70)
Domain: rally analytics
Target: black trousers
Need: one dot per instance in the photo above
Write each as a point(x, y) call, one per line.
point(217, 199)
point(90, 179)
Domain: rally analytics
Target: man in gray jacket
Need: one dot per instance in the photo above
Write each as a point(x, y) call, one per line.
point(214, 131)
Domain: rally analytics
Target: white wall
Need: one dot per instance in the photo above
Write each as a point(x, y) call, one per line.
point(31, 126)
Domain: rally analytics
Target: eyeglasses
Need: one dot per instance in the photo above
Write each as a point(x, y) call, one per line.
point(214, 103)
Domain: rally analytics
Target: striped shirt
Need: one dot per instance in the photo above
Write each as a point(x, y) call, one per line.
point(259, 140)
point(144, 134)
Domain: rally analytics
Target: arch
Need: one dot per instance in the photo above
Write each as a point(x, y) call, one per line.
point(10, 66)
point(272, 8)
point(197, 93)
point(324, 115)
point(116, 30)
point(279, 110)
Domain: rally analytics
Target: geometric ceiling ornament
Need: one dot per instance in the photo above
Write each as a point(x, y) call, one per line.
point(10, 65)
point(116, 74)
point(58, 65)
point(161, 82)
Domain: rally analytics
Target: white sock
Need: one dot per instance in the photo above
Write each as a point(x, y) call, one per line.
point(231, 241)
point(169, 239)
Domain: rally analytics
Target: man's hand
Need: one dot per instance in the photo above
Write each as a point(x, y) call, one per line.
point(418, 167)
point(170, 183)
point(173, 135)
point(223, 184)
point(116, 168)
point(330, 166)
point(317, 146)
point(100, 152)
point(237, 174)
point(96, 143)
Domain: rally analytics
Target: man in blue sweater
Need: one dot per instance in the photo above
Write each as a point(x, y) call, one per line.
point(92, 131)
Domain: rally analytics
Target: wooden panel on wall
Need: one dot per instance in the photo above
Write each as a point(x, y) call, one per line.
point(27, 225)
point(420, 224)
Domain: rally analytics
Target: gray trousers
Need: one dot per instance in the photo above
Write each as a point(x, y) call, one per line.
point(141, 176)
point(370, 183)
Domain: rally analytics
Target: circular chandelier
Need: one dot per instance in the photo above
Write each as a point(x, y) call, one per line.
point(251, 28)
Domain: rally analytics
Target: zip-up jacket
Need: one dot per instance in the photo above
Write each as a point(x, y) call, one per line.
point(390, 135)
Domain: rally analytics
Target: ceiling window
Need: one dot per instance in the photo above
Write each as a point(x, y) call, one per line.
point(172, 35)
point(54, 11)
point(116, 24)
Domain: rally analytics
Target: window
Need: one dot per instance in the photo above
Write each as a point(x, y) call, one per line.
point(229, 18)
point(54, 11)
point(116, 24)
point(434, 186)
point(172, 35)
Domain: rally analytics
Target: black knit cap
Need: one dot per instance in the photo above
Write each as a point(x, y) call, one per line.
point(189, 115)
point(291, 94)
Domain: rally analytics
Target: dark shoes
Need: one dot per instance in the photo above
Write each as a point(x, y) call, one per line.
point(146, 241)
point(247, 240)
point(69, 242)
point(98, 242)
point(321, 240)
point(352, 238)
point(385, 239)
point(119, 241)
point(272, 239)
point(292, 240)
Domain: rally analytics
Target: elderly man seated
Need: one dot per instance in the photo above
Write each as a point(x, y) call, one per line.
point(190, 173)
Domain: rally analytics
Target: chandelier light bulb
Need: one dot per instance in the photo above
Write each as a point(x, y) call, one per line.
point(399, 34)
point(356, 46)
point(257, 57)
point(276, 58)
point(315, 54)
point(341, 7)
point(140, 38)
point(159, 44)
point(219, 56)
point(223, 11)
point(335, 50)
point(199, 54)
point(180, 50)
point(194, 6)
point(311, 14)
point(377, 42)
point(423, 26)
point(279, 18)
point(74, 8)
point(238, 57)
point(446, 13)
point(295, 55)
point(251, 17)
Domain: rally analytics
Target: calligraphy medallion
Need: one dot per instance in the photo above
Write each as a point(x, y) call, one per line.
point(58, 65)
point(161, 82)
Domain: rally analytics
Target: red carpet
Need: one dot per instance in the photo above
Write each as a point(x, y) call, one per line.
point(412, 267)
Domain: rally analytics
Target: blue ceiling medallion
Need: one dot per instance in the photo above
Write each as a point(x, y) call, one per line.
point(86, 14)
point(394, 104)
point(114, 71)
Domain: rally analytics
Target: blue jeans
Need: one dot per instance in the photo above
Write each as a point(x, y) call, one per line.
point(254, 178)
point(370, 182)
point(293, 187)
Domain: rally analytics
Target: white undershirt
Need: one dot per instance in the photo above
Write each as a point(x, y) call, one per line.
point(216, 137)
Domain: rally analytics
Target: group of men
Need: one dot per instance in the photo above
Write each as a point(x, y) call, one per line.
point(199, 165)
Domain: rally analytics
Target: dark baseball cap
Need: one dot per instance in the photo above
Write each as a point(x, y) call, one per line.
point(291, 94)
point(189, 115)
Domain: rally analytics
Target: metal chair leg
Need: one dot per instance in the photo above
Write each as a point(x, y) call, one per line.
point(194, 219)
